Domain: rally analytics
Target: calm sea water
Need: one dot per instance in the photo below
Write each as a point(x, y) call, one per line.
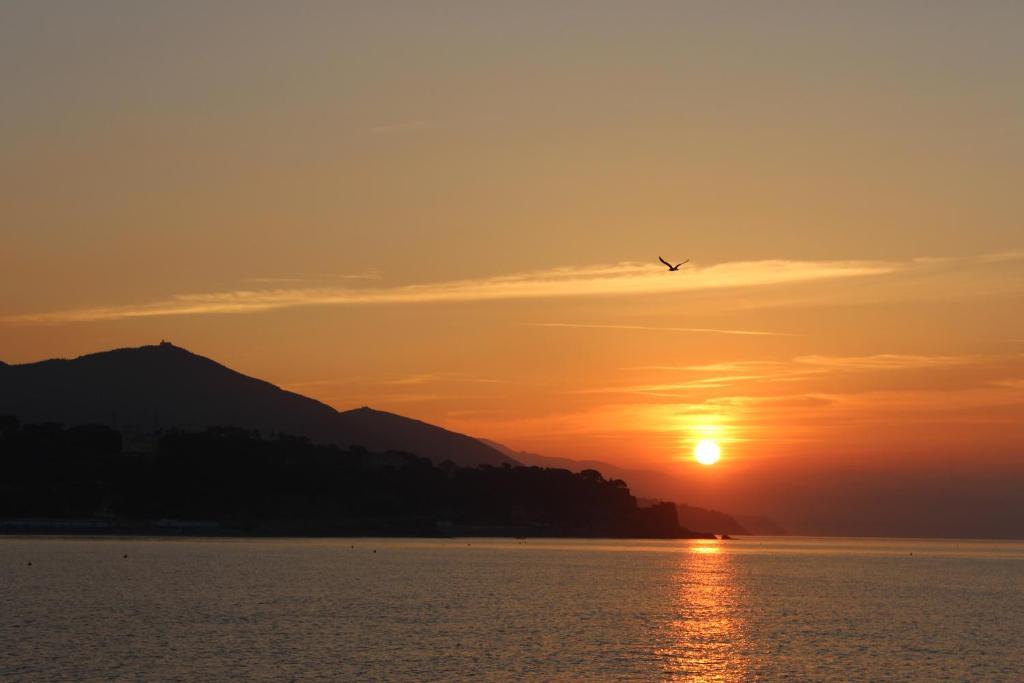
point(750, 609)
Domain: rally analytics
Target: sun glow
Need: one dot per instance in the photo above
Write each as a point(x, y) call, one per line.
point(707, 452)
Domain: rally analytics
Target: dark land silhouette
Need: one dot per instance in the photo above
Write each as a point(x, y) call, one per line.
point(142, 392)
point(652, 486)
point(231, 481)
point(146, 389)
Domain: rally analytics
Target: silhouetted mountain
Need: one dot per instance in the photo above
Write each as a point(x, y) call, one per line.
point(652, 485)
point(156, 387)
point(381, 431)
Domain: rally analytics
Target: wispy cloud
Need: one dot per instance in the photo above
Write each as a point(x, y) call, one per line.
point(709, 330)
point(619, 279)
point(884, 361)
point(1004, 256)
point(784, 402)
point(274, 280)
point(735, 366)
point(478, 412)
point(295, 279)
point(435, 378)
point(946, 279)
point(878, 361)
point(802, 368)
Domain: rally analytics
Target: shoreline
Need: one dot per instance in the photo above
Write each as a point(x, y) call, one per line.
point(99, 529)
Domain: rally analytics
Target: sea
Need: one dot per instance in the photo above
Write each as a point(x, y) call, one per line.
point(749, 609)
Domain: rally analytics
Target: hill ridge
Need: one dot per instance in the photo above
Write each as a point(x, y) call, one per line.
point(157, 386)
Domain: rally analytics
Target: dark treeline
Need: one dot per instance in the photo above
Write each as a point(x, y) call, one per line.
point(288, 485)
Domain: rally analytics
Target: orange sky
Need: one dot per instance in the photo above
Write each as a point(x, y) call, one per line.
point(453, 211)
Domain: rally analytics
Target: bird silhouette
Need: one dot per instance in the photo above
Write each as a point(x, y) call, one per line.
point(670, 266)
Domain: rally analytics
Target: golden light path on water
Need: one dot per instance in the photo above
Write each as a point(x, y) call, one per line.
point(705, 636)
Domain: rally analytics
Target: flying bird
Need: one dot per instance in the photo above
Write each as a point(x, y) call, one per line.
point(670, 266)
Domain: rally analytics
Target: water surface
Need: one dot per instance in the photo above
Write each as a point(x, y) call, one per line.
point(749, 609)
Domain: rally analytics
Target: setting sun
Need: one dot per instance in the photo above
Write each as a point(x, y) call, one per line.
point(707, 452)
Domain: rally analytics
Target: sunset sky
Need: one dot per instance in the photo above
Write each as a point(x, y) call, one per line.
point(453, 211)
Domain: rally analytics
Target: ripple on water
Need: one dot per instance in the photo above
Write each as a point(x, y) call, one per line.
point(752, 609)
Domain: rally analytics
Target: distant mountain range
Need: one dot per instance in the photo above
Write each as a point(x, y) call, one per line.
point(157, 387)
point(151, 388)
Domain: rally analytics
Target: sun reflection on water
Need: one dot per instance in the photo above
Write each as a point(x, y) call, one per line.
point(706, 547)
point(704, 636)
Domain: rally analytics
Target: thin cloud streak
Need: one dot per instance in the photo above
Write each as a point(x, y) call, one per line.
point(801, 368)
point(823, 363)
point(619, 279)
point(436, 378)
point(663, 329)
point(294, 279)
point(884, 361)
